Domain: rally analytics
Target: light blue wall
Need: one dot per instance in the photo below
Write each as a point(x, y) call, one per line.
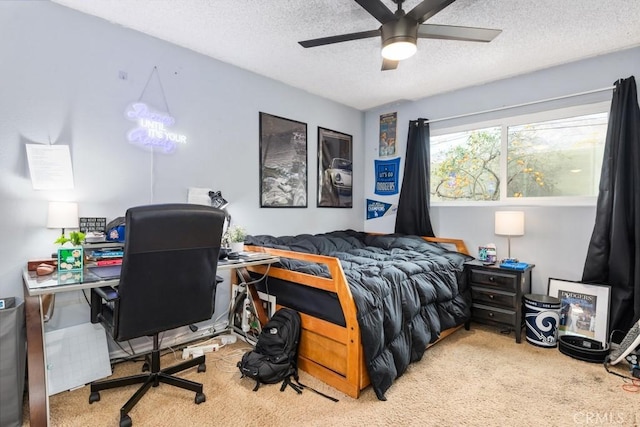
point(556, 238)
point(59, 81)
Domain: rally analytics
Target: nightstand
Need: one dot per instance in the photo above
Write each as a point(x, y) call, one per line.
point(497, 294)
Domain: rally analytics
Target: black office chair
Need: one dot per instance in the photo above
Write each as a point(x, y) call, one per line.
point(168, 280)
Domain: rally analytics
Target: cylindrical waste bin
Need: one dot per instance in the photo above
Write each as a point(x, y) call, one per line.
point(12, 363)
point(541, 317)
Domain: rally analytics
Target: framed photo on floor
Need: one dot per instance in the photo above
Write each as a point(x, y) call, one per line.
point(335, 159)
point(283, 162)
point(584, 308)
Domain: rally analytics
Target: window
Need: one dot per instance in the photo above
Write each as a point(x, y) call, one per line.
point(557, 154)
point(466, 165)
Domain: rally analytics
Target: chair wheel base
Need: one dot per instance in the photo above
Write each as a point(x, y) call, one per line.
point(200, 397)
point(94, 397)
point(125, 421)
point(202, 367)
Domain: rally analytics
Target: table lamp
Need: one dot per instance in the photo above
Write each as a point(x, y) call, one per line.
point(62, 215)
point(509, 223)
point(217, 201)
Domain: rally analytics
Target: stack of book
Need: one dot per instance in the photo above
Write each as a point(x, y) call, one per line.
point(104, 256)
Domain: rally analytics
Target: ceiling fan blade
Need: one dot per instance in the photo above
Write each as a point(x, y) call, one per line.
point(388, 64)
point(377, 9)
point(451, 32)
point(427, 9)
point(341, 38)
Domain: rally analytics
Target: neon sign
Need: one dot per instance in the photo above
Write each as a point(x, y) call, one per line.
point(152, 128)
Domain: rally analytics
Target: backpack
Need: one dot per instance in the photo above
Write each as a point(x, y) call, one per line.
point(275, 357)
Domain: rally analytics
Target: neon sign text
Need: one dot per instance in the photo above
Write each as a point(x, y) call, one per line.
point(152, 128)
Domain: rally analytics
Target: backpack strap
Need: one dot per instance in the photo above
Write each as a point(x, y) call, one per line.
point(257, 386)
point(301, 386)
point(287, 382)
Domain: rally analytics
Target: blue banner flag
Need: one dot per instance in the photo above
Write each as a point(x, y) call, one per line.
point(376, 209)
point(387, 176)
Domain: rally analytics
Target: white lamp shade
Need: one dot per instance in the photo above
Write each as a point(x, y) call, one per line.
point(62, 215)
point(509, 223)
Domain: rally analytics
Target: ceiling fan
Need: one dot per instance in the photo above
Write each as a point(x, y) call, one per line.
point(399, 31)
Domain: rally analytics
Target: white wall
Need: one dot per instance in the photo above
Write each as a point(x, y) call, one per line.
point(59, 81)
point(556, 238)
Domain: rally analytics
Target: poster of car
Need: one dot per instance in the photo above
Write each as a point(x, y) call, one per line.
point(388, 125)
point(283, 162)
point(335, 157)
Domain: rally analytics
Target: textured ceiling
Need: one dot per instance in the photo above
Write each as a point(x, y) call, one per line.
point(261, 36)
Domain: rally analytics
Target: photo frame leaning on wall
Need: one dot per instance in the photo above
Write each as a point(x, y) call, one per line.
point(584, 308)
point(335, 170)
point(283, 162)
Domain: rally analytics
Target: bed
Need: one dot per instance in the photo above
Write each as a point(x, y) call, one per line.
point(370, 304)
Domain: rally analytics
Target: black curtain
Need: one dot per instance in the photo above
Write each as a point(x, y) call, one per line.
point(613, 257)
point(413, 207)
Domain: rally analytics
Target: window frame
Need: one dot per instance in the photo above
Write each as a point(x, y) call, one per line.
point(521, 119)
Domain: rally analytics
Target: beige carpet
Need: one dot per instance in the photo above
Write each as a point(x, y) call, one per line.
point(472, 378)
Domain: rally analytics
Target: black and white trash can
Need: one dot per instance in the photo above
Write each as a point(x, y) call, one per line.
point(542, 317)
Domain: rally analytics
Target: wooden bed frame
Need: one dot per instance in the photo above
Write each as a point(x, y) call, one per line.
point(330, 352)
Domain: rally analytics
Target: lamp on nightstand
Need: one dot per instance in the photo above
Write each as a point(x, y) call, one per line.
point(509, 223)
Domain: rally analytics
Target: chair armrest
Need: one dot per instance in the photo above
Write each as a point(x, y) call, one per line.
point(105, 293)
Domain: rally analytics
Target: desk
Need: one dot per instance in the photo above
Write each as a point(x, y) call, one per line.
point(37, 286)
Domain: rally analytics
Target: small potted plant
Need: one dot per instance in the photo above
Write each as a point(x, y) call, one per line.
point(236, 236)
point(75, 239)
point(70, 256)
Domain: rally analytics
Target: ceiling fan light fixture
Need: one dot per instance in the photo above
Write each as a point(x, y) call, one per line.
point(400, 30)
point(399, 39)
point(399, 50)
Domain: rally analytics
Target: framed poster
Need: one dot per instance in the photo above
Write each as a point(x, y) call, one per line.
point(584, 308)
point(283, 162)
point(388, 125)
point(335, 158)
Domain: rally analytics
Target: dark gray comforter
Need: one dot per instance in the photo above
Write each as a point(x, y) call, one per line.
point(406, 291)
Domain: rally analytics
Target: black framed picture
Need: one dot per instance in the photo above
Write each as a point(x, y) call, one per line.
point(335, 159)
point(584, 308)
point(283, 162)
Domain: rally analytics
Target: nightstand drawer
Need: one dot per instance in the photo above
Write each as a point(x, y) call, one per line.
point(493, 314)
point(504, 281)
point(494, 297)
